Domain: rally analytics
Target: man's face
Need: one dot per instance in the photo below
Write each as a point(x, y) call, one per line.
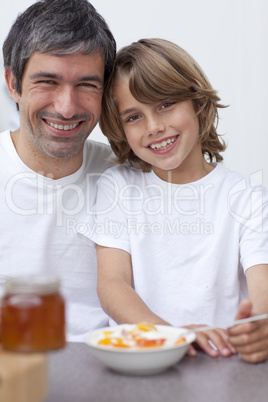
point(60, 103)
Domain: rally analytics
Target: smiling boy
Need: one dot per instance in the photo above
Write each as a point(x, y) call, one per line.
point(205, 262)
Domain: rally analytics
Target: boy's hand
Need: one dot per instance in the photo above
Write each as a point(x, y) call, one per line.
point(214, 342)
point(250, 339)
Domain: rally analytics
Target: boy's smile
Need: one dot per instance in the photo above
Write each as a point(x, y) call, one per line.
point(164, 134)
point(165, 144)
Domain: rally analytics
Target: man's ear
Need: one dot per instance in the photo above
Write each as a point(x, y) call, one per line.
point(10, 80)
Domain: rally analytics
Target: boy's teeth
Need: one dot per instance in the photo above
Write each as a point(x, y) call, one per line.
point(163, 144)
point(63, 127)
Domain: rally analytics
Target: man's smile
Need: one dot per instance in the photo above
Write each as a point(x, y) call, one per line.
point(64, 127)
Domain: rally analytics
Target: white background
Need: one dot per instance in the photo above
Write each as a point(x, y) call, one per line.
point(228, 38)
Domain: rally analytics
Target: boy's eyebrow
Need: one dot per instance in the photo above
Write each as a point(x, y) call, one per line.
point(127, 111)
point(43, 74)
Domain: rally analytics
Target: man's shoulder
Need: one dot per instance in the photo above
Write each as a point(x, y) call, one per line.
point(4, 135)
point(98, 156)
point(6, 143)
point(92, 145)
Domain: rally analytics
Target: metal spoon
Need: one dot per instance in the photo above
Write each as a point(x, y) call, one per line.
point(231, 324)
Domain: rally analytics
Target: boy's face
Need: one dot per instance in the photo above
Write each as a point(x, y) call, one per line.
point(60, 103)
point(164, 134)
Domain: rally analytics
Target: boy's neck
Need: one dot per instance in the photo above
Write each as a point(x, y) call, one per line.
point(185, 175)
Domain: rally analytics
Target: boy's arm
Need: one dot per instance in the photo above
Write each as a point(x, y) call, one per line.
point(120, 301)
point(251, 339)
point(117, 296)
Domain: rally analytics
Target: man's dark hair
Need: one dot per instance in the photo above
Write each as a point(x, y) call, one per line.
point(58, 27)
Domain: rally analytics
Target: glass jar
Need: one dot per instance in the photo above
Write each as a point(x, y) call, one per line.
point(33, 314)
point(3, 279)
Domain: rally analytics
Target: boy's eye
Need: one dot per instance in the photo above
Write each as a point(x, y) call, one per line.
point(133, 118)
point(166, 105)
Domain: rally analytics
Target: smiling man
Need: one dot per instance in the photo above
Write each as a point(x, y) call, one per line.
point(57, 56)
point(59, 106)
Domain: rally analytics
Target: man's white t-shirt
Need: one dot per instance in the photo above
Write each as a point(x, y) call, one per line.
point(40, 218)
point(190, 244)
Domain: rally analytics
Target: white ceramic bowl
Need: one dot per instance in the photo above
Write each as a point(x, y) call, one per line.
point(145, 361)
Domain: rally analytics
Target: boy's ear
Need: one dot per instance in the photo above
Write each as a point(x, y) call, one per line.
point(10, 80)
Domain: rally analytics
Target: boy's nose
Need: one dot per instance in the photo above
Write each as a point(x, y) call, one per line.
point(155, 125)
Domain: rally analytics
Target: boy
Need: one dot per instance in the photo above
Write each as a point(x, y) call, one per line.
point(181, 239)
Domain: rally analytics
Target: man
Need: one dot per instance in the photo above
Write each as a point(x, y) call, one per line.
point(57, 57)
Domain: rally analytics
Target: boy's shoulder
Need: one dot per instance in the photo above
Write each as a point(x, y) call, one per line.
point(240, 189)
point(124, 171)
point(240, 180)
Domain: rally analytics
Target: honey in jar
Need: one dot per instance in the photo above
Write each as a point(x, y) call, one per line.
point(33, 314)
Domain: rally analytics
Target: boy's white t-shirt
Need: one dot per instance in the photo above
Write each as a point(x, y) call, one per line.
point(39, 222)
point(190, 244)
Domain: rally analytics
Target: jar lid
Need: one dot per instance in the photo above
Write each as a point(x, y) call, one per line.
point(41, 284)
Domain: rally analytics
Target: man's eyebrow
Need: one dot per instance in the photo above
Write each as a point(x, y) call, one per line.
point(44, 74)
point(91, 78)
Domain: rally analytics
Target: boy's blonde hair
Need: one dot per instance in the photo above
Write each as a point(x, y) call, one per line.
point(159, 70)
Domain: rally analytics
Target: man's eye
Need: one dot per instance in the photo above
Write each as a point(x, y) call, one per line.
point(88, 85)
point(46, 82)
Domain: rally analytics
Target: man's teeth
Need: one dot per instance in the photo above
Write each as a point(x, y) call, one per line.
point(163, 144)
point(63, 127)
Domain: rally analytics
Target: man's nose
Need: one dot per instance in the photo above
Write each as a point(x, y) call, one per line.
point(65, 102)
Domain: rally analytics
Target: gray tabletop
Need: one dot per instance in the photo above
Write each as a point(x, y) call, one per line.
point(77, 376)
